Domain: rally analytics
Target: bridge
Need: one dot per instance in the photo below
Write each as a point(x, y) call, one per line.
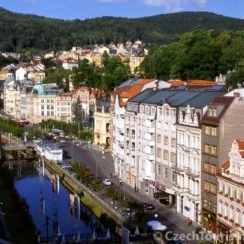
point(19, 147)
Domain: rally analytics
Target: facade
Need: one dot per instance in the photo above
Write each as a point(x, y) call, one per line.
point(102, 123)
point(50, 151)
point(119, 99)
point(70, 63)
point(20, 74)
point(221, 124)
point(189, 154)
point(230, 196)
point(9, 95)
point(81, 103)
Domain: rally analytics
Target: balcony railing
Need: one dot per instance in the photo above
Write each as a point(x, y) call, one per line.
point(192, 173)
point(178, 168)
point(180, 189)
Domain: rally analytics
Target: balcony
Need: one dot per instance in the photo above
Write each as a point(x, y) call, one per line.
point(180, 189)
point(121, 144)
point(193, 196)
point(121, 131)
point(178, 168)
point(192, 173)
point(150, 157)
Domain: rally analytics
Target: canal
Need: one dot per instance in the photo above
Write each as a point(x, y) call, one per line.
point(55, 211)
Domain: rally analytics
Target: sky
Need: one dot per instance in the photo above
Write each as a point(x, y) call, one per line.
point(88, 9)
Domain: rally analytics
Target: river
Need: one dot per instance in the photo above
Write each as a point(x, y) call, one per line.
point(52, 210)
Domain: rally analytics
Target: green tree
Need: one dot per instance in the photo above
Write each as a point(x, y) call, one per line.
point(115, 72)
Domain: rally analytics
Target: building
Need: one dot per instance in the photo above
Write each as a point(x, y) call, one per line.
point(9, 95)
point(230, 196)
point(189, 154)
point(221, 124)
point(49, 150)
point(102, 122)
point(119, 99)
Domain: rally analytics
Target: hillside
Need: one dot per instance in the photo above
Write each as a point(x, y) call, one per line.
point(20, 32)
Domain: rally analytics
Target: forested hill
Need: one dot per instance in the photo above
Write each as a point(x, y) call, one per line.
point(19, 32)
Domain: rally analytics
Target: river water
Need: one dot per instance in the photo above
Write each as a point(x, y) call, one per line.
point(52, 210)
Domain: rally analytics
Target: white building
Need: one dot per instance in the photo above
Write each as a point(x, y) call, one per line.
point(230, 196)
point(50, 151)
point(189, 151)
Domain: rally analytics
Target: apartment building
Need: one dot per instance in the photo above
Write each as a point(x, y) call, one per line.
point(188, 160)
point(221, 124)
point(120, 97)
point(230, 196)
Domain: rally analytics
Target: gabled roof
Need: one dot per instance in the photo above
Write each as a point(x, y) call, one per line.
point(220, 101)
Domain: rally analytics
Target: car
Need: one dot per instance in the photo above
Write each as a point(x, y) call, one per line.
point(129, 213)
point(148, 206)
point(107, 182)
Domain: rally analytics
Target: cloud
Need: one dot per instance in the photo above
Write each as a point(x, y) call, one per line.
point(200, 2)
point(168, 5)
point(174, 5)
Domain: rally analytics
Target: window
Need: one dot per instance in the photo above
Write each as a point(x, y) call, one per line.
point(147, 110)
point(211, 130)
point(205, 203)
point(160, 111)
point(158, 152)
point(172, 157)
point(214, 131)
point(159, 169)
point(174, 176)
point(212, 112)
point(165, 154)
point(166, 140)
point(207, 186)
point(141, 109)
point(166, 173)
point(173, 142)
point(207, 130)
point(158, 138)
point(209, 168)
point(210, 149)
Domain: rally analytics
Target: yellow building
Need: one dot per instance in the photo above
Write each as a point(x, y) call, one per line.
point(102, 121)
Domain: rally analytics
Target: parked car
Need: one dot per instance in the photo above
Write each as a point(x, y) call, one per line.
point(148, 206)
point(107, 182)
point(129, 213)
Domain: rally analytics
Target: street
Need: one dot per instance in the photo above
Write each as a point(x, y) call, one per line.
point(102, 166)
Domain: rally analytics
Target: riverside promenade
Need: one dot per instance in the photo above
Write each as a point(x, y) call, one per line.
point(175, 222)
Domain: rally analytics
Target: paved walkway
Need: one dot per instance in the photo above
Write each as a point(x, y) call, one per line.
point(175, 222)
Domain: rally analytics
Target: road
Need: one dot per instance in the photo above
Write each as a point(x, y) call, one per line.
point(102, 165)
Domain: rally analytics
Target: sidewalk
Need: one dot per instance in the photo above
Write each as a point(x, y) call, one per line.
point(176, 222)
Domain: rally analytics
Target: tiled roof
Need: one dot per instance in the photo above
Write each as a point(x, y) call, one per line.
point(201, 83)
point(128, 91)
point(195, 83)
